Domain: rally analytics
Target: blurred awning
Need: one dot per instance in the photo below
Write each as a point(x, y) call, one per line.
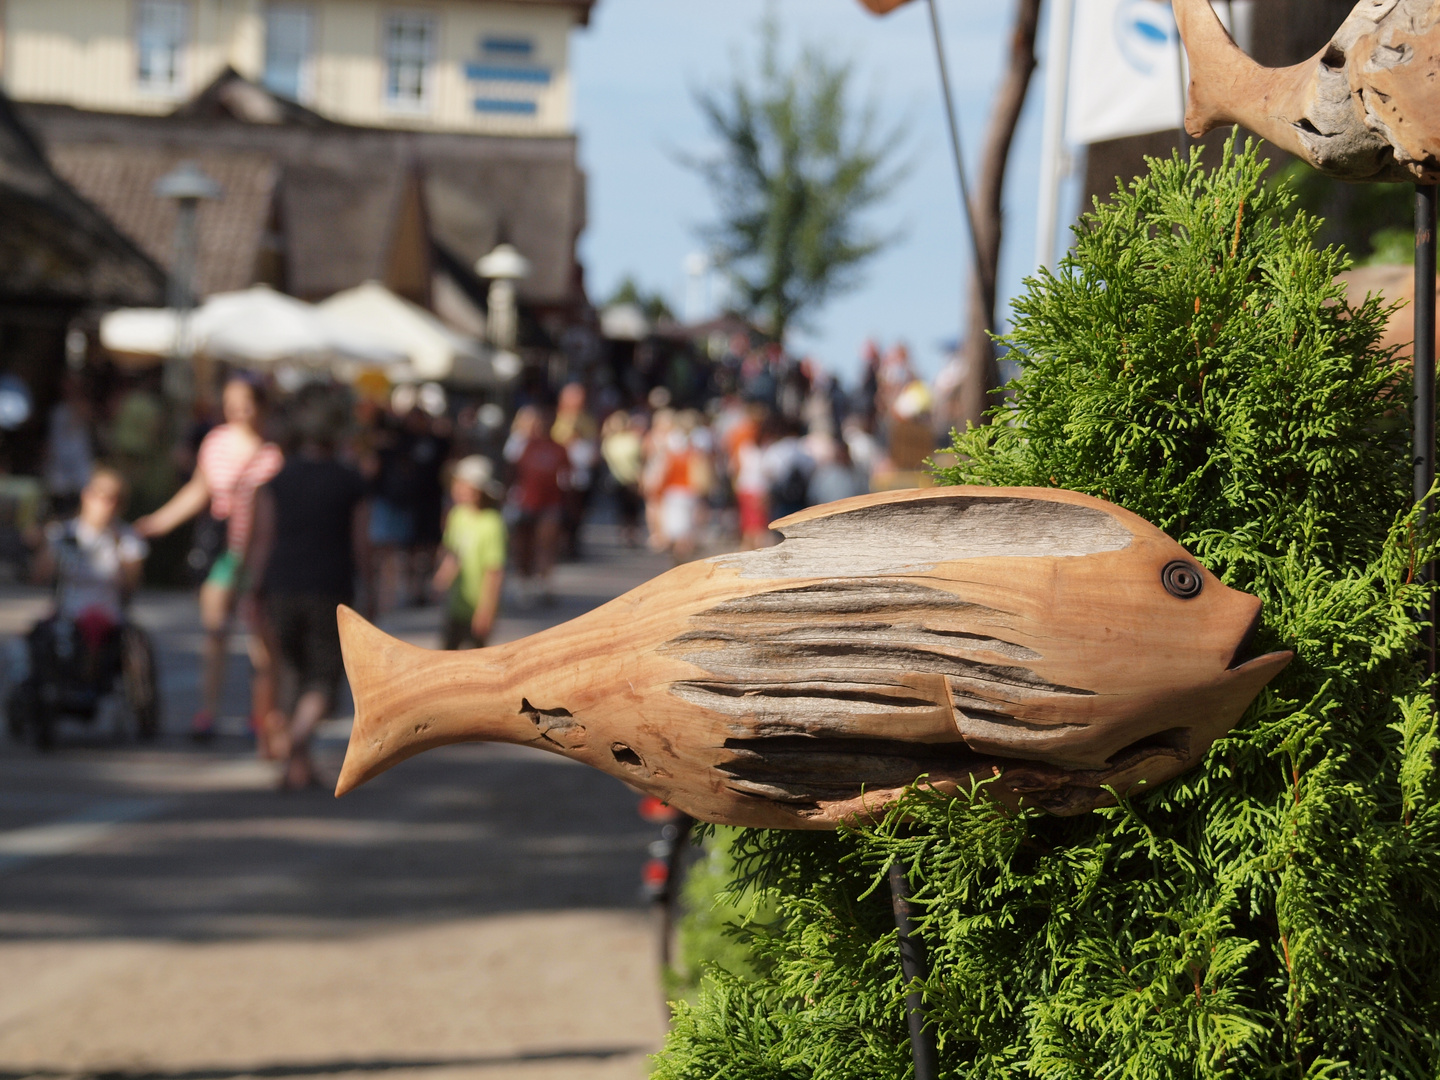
point(435, 352)
point(255, 327)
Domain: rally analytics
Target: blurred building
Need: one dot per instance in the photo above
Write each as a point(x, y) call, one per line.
point(60, 258)
point(447, 65)
point(354, 140)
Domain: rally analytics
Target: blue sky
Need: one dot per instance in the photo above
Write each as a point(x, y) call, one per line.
point(635, 68)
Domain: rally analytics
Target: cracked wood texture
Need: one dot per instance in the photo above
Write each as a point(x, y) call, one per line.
point(1366, 107)
point(1046, 643)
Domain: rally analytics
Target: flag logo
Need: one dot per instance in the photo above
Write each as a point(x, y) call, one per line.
point(1145, 34)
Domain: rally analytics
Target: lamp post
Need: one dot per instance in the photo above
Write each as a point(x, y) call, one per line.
point(186, 185)
point(503, 267)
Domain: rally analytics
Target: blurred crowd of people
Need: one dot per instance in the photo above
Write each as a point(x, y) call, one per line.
point(333, 497)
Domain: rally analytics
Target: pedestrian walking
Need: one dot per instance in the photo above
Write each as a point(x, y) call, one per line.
point(686, 478)
point(538, 495)
point(471, 572)
point(311, 542)
point(393, 491)
point(430, 444)
point(623, 452)
point(234, 461)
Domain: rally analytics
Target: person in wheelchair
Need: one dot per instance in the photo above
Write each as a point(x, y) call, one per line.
point(79, 653)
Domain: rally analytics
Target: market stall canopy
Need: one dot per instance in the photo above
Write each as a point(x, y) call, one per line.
point(252, 327)
point(436, 353)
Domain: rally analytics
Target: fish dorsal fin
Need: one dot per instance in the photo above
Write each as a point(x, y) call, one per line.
point(912, 531)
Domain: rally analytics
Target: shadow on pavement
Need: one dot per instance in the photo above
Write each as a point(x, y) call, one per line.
point(470, 830)
point(330, 1068)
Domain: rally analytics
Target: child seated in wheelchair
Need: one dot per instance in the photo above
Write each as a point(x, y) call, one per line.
point(77, 654)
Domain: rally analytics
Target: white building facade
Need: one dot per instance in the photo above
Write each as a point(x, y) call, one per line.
point(473, 66)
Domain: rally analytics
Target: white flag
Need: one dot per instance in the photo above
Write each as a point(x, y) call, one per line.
point(1125, 76)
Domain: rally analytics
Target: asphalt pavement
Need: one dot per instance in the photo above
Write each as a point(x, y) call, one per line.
point(165, 912)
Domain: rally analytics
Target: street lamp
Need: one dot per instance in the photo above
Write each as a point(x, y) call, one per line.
point(503, 267)
point(186, 185)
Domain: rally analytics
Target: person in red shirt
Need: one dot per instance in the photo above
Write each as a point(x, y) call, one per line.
point(537, 494)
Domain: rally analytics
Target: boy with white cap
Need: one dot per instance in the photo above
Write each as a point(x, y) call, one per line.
point(472, 554)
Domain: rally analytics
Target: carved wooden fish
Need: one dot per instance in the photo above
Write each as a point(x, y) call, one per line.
point(1042, 639)
point(1365, 107)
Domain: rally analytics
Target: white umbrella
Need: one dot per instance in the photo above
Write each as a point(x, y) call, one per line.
point(261, 326)
point(255, 326)
point(436, 352)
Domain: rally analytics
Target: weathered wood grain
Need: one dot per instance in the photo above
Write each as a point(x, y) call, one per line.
point(1364, 108)
point(1023, 637)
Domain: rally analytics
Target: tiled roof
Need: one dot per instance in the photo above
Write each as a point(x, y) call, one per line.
point(120, 179)
point(334, 190)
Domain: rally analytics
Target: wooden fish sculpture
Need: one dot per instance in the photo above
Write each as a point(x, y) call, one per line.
point(1366, 107)
point(1046, 641)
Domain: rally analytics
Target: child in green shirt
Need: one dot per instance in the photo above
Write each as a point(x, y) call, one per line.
point(472, 555)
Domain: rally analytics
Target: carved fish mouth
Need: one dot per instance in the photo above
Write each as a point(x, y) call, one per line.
point(1245, 648)
point(1246, 659)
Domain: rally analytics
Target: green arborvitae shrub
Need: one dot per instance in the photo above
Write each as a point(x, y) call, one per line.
point(1274, 913)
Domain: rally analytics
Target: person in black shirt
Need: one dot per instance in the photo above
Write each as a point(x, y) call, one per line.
point(310, 542)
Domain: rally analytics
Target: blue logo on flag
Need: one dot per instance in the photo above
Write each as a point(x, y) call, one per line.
point(1145, 33)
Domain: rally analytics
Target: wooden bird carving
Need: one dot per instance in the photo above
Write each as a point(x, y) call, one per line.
point(1364, 108)
point(1046, 641)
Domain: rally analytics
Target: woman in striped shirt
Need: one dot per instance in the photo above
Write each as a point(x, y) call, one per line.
point(234, 461)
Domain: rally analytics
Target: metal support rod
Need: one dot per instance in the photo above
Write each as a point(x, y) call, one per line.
point(1424, 449)
point(913, 965)
point(1053, 163)
point(967, 206)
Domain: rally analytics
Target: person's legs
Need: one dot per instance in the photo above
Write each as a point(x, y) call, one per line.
point(522, 551)
point(455, 634)
point(265, 713)
point(309, 711)
point(316, 640)
point(546, 545)
point(216, 600)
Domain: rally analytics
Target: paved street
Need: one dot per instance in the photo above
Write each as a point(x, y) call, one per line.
point(164, 912)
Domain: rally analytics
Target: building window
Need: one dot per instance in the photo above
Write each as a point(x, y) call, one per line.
point(287, 51)
point(507, 46)
point(409, 51)
point(506, 106)
point(506, 73)
point(160, 44)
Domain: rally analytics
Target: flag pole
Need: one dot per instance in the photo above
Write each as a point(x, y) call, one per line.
point(966, 205)
point(1053, 165)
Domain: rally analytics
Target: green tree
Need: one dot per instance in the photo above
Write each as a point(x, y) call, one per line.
point(653, 304)
point(1274, 913)
point(799, 165)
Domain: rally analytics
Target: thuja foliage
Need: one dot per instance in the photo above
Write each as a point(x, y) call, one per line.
point(1273, 913)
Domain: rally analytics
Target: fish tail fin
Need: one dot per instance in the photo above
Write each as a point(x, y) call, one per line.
point(409, 699)
point(1216, 65)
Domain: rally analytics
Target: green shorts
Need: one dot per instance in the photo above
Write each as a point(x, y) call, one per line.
point(227, 572)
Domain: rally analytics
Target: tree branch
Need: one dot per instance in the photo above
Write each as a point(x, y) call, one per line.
point(983, 373)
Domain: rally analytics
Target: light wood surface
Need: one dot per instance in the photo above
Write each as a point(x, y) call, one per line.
point(1023, 637)
point(1365, 107)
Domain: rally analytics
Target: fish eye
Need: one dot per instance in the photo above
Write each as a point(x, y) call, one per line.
point(1182, 580)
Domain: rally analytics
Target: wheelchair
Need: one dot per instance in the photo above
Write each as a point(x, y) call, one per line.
point(69, 670)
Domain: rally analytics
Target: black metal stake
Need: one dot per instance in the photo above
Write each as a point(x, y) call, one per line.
point(914, 966)
point(1424, 450)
